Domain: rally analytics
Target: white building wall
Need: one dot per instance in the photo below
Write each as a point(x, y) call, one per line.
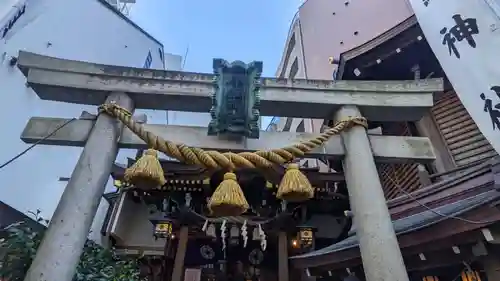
point(295, 53)
point(87, 30)
point(180, 118)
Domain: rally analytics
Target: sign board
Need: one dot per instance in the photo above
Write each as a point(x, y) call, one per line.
point(465, 37)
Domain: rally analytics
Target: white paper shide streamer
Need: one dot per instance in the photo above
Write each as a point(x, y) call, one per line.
point(223, 234)
point(244, 234)
point(263, 241)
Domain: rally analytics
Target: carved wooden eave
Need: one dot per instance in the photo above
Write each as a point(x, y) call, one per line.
point(472, 195)
point(391, 55)
point(373, 44)
point(183, 173)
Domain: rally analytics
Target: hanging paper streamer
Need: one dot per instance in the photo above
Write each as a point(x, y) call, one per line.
point(204, 228)
point(244, 234)
point(223, 234)
point(263, 241)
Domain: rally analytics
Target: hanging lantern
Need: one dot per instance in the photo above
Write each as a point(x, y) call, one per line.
point(118, 183)
point(234, 235)
point(163, 228)
point(430, 278)
point(211, 231)
point(305, 236)
point(468, 275)
point(255, 234)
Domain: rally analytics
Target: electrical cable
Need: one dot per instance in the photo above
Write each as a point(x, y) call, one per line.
point(436, 212)
point(36, 143)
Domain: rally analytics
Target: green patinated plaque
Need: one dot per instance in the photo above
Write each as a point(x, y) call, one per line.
point(236, 100)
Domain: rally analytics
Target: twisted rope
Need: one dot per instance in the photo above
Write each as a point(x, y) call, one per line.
point(229, 161)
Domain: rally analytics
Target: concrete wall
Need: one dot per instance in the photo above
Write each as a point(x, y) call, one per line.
point(85, 30)
point(329, 28)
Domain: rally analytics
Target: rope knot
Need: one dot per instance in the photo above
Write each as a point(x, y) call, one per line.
point(113, 109)
point(361, 121)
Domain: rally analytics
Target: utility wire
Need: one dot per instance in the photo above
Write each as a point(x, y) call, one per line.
point(36, 143)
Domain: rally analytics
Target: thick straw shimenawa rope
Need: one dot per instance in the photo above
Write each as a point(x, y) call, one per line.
point(229, 161)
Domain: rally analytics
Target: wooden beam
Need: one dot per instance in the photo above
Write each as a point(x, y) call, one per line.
point(392, 149)
point(283, 257)
point(88, 83)
point(178, 271)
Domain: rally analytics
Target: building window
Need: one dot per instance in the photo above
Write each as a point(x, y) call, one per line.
point(288, 124)
point(160, 52)
point(289, 49)
point(10, 24)
point(149, 60)
point(294, 69)
point(301, 127)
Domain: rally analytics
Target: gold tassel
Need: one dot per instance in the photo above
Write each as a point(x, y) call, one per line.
point(294, 187)
point(228, 199)
point(146, 173)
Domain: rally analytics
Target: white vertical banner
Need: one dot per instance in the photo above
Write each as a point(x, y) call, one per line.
point(465, 37)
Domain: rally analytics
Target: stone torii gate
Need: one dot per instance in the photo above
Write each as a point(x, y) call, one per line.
point(131, 88)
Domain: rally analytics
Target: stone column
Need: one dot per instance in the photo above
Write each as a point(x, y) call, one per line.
point(382, 259)
point(62, 245)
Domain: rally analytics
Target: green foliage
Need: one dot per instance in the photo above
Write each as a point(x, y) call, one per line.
point(18, 249)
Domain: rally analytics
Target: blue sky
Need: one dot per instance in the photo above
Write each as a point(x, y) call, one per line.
point(230, 29)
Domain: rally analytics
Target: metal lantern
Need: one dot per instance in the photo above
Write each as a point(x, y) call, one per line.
point(255, 234)
point(211, 231)
point(305, 236)
point(120, 184)
point(469, 275)
point(163, 228)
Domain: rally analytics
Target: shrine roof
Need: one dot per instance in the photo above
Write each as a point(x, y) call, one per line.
point(391, 55)
point(177, 170)
point(418, 221)
point(427, 216)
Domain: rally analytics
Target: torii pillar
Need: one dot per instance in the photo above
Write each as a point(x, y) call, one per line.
point(59, 253)
point(380, 252)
